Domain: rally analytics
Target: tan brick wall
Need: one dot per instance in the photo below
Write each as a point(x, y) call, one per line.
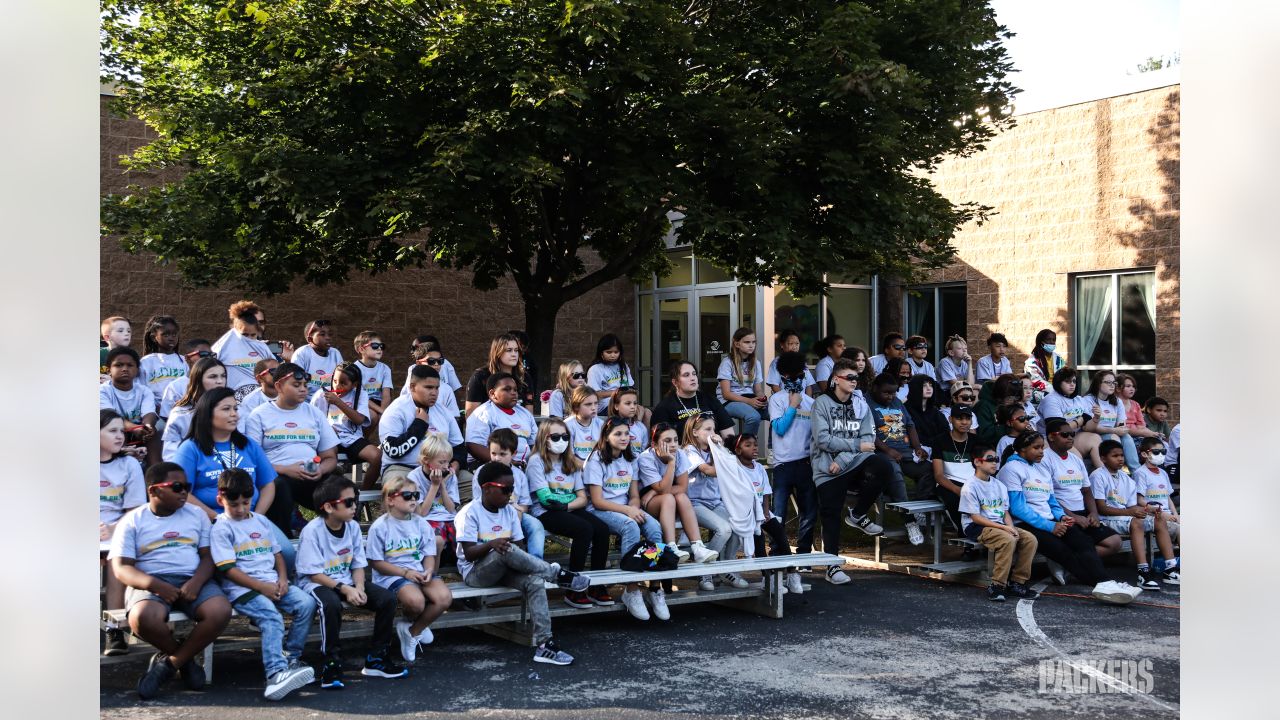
point(399, 305)
point(1081, 188)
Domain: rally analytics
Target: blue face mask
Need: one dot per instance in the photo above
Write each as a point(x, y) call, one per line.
point(1048, 347)
point(793, 386)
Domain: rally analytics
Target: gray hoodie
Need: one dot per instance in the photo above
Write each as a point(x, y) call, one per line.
point(839, 429)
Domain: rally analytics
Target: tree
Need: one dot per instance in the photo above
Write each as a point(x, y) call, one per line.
point(314, 138)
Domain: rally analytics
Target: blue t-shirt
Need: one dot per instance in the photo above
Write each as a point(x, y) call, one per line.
point(892, 421)
point(203, 470)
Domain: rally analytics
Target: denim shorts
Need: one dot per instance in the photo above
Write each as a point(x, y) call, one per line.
point(133, 596)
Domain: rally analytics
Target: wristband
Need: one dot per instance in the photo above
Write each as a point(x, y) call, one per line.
point(339, 586)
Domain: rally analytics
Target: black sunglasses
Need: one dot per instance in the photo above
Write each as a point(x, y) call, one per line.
point(200, 354)
point(964, 397)
point(1065, 433)
point(578, 376)
point(302, 375)
point(899, 347)
point(558, 436)
point(345, 502)
point(504, 489)
point(917, 346)
point(433, 362)
point(409, 495)
point(849, 378)
point(178, 486)
point(377, 345)
point(233, 496)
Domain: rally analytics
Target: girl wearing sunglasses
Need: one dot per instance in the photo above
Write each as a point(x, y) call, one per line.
point(570, 377)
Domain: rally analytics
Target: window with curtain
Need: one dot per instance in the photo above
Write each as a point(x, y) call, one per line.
point(937, 312)
point(1114, 320)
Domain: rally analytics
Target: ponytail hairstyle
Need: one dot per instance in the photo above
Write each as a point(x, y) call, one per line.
point(737, 360)
point(822, 348)
point(352, 371)
point(154, 324)
point(1025, 440)
point(783, 337)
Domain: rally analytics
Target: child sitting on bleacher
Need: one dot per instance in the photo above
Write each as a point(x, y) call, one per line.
point(1125, 510)
point(346, 405)
point(401, 548)
point(266, 392)
point(984, 504)
point(1155, 485)
point(489, 554)
point(207, 374)
point(704, 493)
point(439, 485)
point(120, 490)
point(377, 375)
point(160, 551)
point(501, 410)
point(132, 400)
point(318, 357)
point(161, 364)
point(331, 566)
point(409, 419)
point(625, 404)
point(571, 376)
point(744, 448)
point(584, 426)
point(252, 570)
point(502, 447)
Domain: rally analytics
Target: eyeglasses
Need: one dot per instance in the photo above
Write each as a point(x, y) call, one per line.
point(233, 496)
point(578, 376)
point(375, 345)
point(848, 378)
point(434, 362)
point(502, 488)
point(1108, 382)
point(301, 375)
point(409, 495)
point(558, 436)
point(899, 347)
point(989, 458)
point(918, 346)
point(199, 354)
point(1065, 433)
point(348, 502)
point(178, 486)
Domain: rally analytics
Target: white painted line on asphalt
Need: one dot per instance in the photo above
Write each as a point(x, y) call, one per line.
point(1027, 619)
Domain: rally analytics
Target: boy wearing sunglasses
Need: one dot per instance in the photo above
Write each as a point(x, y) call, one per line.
point(1072, 488)
point(490, 553)
point(984, 508)
point(253, 575)
point(160, 552)
point(402, 550)
point(331, 566)
point(375, 373)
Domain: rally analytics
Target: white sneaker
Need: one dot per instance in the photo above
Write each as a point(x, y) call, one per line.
point(701, 554)
point(1113, 593)
point(682, 555)
point(705, 584)
point(658, 599)
point(634, 601)
point(1133, 590)
point(914, 535)
point(1057, 572)
point(286, 681)
point(793, 583)
point(426, 637)
point(736, 580)
point(836, 576)
point(408, 643)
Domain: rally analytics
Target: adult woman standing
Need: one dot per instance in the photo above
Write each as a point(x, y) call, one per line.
point(685, 400)
point(240, 349)
point(504, 356)
point(1043, 364)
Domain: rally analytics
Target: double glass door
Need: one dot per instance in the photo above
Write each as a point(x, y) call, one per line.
point(695, 325)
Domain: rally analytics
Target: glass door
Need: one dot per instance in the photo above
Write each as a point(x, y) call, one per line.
point(674, 341)
point(717, 318)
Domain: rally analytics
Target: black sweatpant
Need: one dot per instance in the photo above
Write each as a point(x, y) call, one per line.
point(778, 544)
point(951, 501)
point(921, 474)
point(587, 532)
point(869, 478)
point(1073, 551)
point(381, 602)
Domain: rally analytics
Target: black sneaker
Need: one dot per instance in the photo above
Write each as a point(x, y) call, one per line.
point(331, 675)
point(193, 676)
point(382, 666)
point(1018, 590)
point(572, 581)
point(577, 600)
point(995, 593)
point(159, 672)
point(1149, 580)
point(599, 595)
point(116, 644)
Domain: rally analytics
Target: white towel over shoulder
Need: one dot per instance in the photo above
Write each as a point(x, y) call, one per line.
point(739, 498)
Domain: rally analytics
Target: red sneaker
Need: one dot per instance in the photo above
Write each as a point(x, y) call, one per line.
point(598, 595)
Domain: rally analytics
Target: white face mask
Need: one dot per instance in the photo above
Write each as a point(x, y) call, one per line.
point(1157, 458)
point(558, 446)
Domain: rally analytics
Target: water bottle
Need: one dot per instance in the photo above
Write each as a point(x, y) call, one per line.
point(312, 465)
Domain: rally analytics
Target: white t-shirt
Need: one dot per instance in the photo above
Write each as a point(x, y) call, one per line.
point(555, 478)
point(582, 439)
point(376, 380)
point(639, 436)
point(437, 512)
point(759, 480)
point(489, 417)
point(476, 524)
point(1155, 487)
point(744, 385)
point(556, 405)
point(987, 369)
point(614, 478)
point(773, 377)
point(120, 488)
point(247, 545)
point(878, 363)
point(1109, 415)
point(403, 543)
point(132, 404)
point(1069, 479)
point(175, 431)
point(988, 498)
point(162, 545)
point(1174, 445)
point(950, 370)
point(240, 354)
point(1055, 405)
point(924, 368)
point(251, 403)
point(795, 444)
point(158, 370)
point(703, 489)
point(320, 366)
point(822, 371)
point(290, 436)
point(1117, 490)
point(400, 414)
point(650, 468)
point(319, 552)
point(520, 496)
point(347, 431)
point(1004, 442)
point(173, 392)
point(448, 381)
point(1033, 481)
point(609, 377)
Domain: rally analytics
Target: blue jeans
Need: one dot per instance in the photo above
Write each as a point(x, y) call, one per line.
point(796, 477)
point(626, 529)
point(277, 648)
point(749, 416)
point(535, 536)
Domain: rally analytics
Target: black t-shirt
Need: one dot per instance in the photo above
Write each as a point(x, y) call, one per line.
point(676, 411)
point(477, 393)
point(943, 447)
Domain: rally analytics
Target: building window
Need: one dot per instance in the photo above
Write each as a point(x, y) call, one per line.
point(937, 312)
point(1114, 321)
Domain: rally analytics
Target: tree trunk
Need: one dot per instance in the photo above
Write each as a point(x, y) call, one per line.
point(540, 323)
